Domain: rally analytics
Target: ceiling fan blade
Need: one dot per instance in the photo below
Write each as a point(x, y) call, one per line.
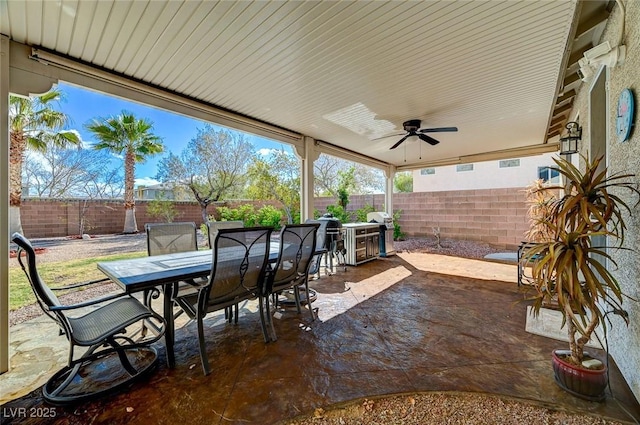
point(399, 141)
point(387, 136)
point(438, 130)
point(428, 139)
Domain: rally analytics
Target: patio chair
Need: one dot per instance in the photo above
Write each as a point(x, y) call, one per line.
point(113, 359)
point(167, 238)
point(316, 261)
point(214, 226)
point(212, 231)
point(297, 246)
point(240, 258)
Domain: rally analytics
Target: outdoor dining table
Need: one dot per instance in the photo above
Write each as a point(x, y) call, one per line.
point(148, 273)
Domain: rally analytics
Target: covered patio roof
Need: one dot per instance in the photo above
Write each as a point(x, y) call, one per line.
point(347, 74)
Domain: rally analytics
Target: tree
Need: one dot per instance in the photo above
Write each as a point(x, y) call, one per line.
point(327, 171)
point(403, 182)
point(133, 137)
point(212, 167)
point(61, 172)
point(276, 177)
point(34, 124)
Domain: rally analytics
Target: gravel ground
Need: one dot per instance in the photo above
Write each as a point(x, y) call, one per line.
point(444, 408)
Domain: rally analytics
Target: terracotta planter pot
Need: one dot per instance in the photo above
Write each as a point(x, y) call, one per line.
point(588, 384)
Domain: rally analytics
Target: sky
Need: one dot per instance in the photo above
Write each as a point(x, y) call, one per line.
point(82, 106)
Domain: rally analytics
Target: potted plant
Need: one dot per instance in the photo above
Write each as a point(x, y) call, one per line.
point(569, 267)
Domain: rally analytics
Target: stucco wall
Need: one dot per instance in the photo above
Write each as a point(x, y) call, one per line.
point(485, 175)
point(624, 342)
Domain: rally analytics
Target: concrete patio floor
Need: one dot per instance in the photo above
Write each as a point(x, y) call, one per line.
point(408, 323)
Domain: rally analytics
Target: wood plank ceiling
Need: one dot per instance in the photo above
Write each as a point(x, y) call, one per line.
point(348, 73)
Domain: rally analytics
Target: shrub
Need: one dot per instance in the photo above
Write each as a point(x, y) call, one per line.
point(162, 209)
point(269, 216)
point(398, 235)
point(361, 214)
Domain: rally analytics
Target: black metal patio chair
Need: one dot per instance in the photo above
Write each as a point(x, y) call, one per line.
point(231, 312)
point(240, 258)
point(297, 248)
point(113, 358)
point(316, 260)
point(168, 238)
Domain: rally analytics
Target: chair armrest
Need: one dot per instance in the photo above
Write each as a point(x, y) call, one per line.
point(80, 285)
point(88, 303)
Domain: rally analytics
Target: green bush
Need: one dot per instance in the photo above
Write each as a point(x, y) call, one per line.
point(269, 216)
point(162, 209)
point(245, 213)
point(339, 213)
point(361, 214)
point(398, 235)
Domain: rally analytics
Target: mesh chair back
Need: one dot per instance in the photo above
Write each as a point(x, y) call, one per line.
point(214, 226)
point(45, 296)
point(314, 267)
point(167, 238)
point(297, 245)
point(240, 258)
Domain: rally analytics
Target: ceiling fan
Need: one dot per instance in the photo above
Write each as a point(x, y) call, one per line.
point(412, 127)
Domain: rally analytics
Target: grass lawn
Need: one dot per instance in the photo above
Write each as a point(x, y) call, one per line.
point(59, 274)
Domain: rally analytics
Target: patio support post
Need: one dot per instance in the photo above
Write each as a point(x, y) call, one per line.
point(390, 174)
point(308, 155)
point(4, 203)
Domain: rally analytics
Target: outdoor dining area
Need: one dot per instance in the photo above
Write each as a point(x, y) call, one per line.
point(224, 350)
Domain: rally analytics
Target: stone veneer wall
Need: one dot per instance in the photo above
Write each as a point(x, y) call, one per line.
point(495, 216)
point(624, 342)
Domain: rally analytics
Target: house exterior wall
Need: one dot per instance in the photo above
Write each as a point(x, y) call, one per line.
point(624, 342)
point(485, 175)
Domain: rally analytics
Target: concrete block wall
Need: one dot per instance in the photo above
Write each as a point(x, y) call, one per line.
point(45, 218)
point(494, 216)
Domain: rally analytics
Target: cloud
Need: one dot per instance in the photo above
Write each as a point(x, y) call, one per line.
point(266, 151)
point(146, 181)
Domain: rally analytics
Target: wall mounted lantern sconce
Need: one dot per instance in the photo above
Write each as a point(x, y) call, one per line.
point(569, 143)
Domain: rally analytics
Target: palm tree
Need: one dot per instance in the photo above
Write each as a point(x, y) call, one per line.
point(128, 135)
point(34, 124)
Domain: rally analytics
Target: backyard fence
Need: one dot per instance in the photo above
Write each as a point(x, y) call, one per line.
point(495, 216)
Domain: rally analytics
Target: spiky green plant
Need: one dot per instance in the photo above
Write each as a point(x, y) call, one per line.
point(569, 269)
